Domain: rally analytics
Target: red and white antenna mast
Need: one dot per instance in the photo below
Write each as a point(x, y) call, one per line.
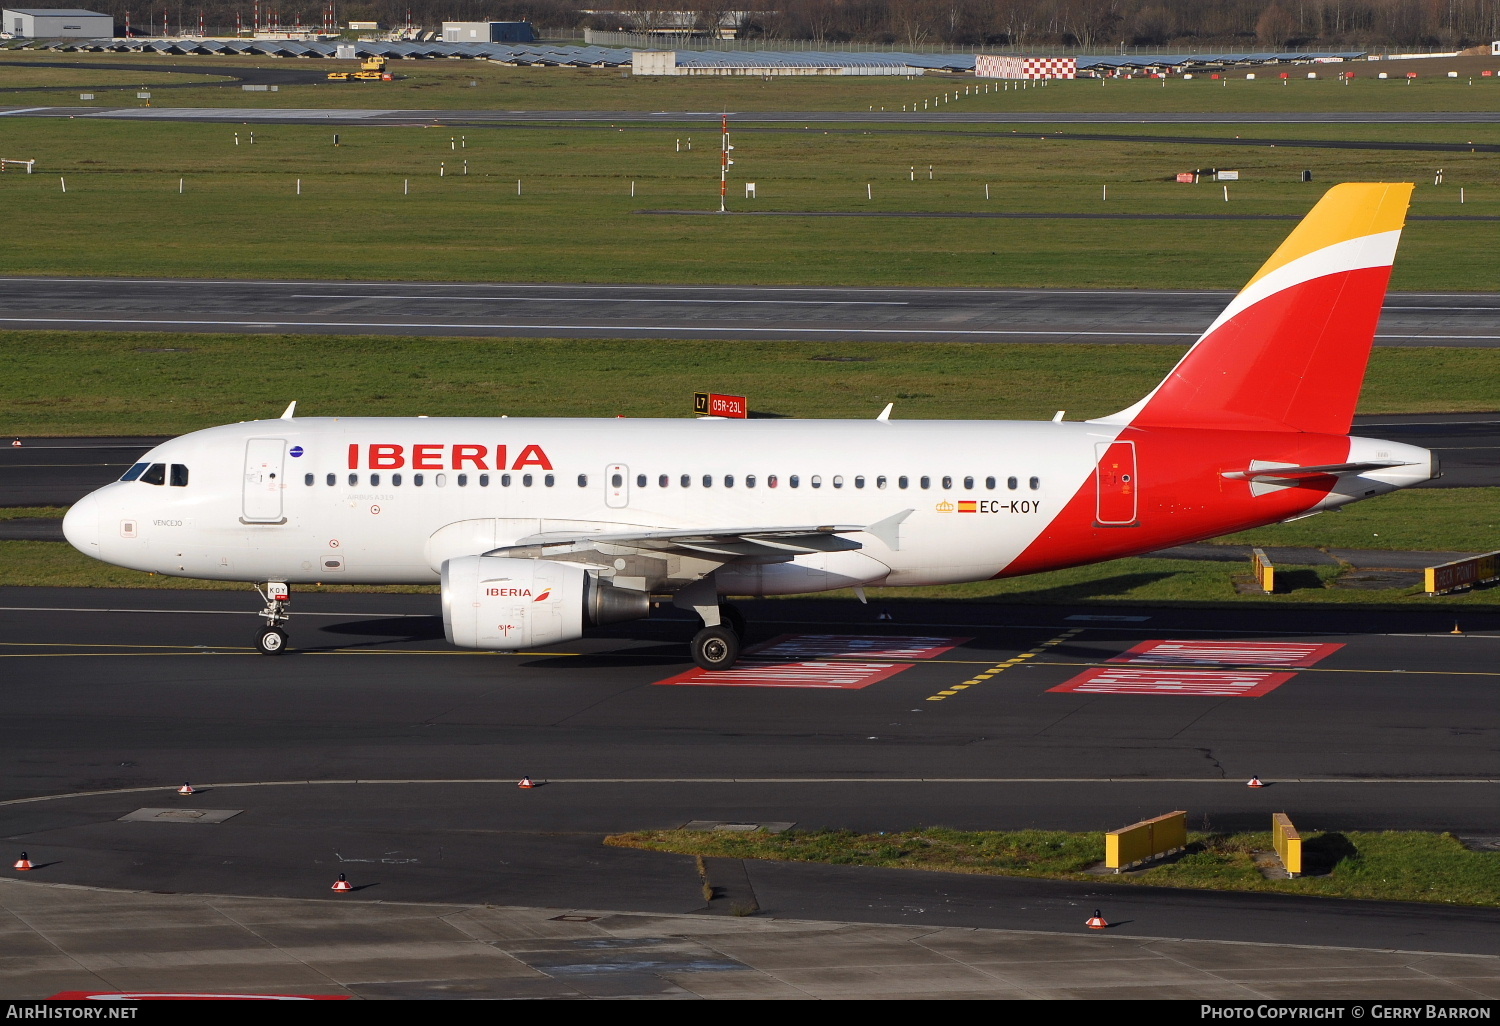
point(127, 24)
point(724, 163)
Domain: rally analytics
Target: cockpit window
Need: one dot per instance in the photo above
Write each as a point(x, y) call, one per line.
point(155, 474)
point(135, 472)
point(179, 475)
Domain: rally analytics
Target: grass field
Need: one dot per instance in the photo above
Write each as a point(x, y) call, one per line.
point(443, 84)
point(1390, 865)
point(240, 215)
point(80, 383)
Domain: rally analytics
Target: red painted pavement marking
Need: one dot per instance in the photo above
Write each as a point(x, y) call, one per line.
point(857, 646)
point(842, 675)
point(1165, 681)
point(1220, 653)
point(817, 661)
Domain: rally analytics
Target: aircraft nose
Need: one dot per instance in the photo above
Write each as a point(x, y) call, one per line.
point(81, 525)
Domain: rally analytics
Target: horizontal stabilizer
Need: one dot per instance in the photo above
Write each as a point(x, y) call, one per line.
point(1335, 469)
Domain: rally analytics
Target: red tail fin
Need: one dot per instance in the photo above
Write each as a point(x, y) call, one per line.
point(1289, 353)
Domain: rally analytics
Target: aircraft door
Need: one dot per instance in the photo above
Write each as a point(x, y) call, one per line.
point(1117, 488)
point(264, 480)
point(617, 486)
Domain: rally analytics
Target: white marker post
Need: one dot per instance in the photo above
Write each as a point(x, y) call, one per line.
point(869, 191)
point(986, 190)
point(64, 182)
point(1105, 198)
point(299, 187)
point(1226, 194)
point(632, 190)
point(724, 163)
point(406, 186)
point(518, 187)
point(179, 186)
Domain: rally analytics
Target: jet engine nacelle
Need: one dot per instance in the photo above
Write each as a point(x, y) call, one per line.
point(495, 602)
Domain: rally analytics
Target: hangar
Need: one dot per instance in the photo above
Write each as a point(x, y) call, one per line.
point(57, 23)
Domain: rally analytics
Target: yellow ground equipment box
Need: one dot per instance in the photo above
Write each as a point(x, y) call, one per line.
point(371, 69)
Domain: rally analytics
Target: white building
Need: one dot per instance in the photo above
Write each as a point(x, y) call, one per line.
point(37, 23)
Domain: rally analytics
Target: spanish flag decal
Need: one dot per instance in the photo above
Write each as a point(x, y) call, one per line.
point(968, 506)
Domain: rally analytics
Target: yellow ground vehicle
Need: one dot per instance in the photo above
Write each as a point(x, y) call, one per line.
point(371, 69)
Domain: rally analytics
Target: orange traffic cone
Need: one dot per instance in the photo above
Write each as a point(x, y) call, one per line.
point(16, 444)
point(1254, 782)
point(341, 885)
point(22, 863)
point(1096, 921)
point(1455, 629)
point(186, 788)
point(524, 783)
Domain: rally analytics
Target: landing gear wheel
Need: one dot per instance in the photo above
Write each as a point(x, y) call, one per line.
point(715, 648)
point(732, 618)
point(271, 641)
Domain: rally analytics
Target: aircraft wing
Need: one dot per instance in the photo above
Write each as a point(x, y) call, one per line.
point(777, 544)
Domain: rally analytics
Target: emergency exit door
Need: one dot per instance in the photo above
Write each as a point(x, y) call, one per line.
point(1116, 485)
point(264, 479)
point(617, 486)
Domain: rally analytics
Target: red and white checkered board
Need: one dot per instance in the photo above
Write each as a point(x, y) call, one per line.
point(1228, 653)
point(1170, 681)
point(822, 661)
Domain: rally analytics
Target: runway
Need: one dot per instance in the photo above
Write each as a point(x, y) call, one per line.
point(377, 116)
point(376, 747)
point(1098, 316)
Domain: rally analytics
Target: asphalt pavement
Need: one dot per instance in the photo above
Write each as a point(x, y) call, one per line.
point(1099, 316)
point(375, 749)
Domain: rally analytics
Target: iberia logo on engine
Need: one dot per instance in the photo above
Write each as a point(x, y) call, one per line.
point(511, 593)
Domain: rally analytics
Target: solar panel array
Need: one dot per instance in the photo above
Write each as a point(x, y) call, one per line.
point(544, 55)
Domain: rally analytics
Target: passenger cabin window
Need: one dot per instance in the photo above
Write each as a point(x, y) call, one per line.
point(947, 482)
point(902, 482)
point(441, 480)
point(549, 480)
point(179, 476)
point(838, 481)
point(1036, 483)
point(728, 480)
point(749, 480)
point(880, 482)
point(396, 480)
point(687, 481)
point(526, 480)
point(640, 480)
point(968, 482)
point(771, 480)
point(926, 482)
point(859, 481)
point(989, 483)
point(1011, 483)
point(462, 480)
point(708, 480)
point(484, 480)
point(353, 480)
point(135, 472)
point(374, 480)
point(663, 481)
point(816, 481)
point(504, 480)
point(794, 480)
point(332, 480)
point(308, 479)
point(417, 479)
point(155, 474)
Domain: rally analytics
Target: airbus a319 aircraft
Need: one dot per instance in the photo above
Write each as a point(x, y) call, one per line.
point(538, 529)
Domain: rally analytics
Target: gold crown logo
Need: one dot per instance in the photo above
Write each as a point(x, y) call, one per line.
point(945, 507)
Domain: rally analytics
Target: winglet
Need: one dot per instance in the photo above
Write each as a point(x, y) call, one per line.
point(885, 414)
point(889, 529)
point(291, 411)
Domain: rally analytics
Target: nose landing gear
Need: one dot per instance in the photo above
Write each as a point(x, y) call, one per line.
point(272, 638)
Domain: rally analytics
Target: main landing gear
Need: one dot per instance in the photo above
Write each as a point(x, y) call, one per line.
point(272, 638)
point(717, 647)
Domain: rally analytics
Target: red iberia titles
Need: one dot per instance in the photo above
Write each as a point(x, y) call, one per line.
point(434, 456)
